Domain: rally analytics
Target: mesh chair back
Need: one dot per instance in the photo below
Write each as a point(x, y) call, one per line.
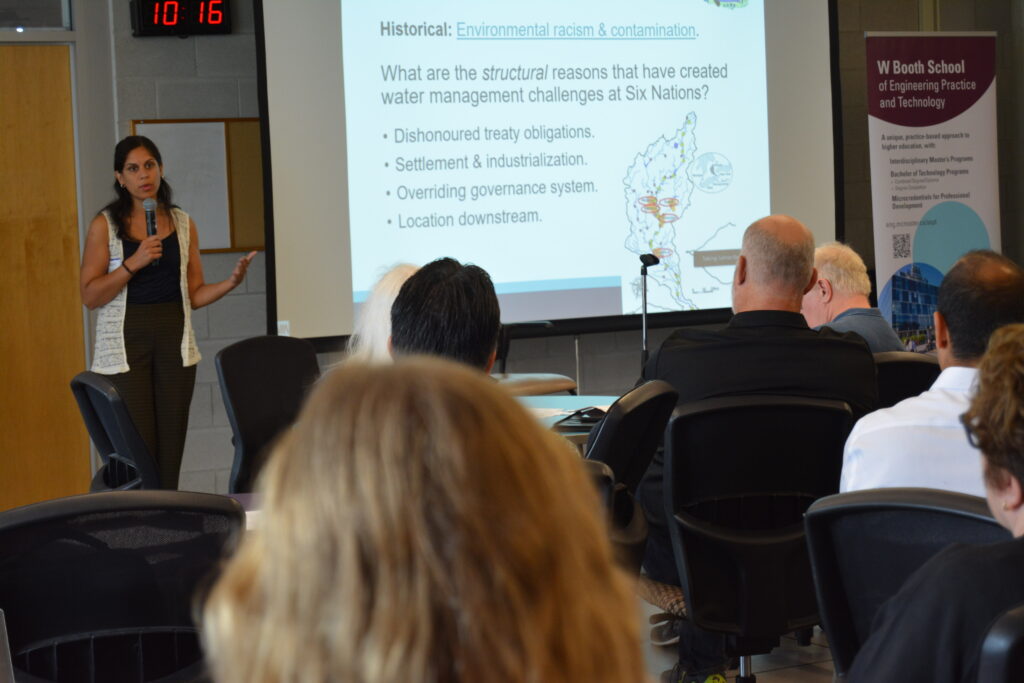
point(740, 473)
point(632, 430)
point(264, 381)
point(902, 374)
point(1002, 653)
point(101, 587)
point(865, 544)
point(737, 445)
point(127, 462)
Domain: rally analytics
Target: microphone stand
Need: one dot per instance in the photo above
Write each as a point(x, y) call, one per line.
point(645, 260)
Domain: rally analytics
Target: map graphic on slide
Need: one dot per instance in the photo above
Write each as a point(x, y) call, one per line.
point(659, 188)
point(658, 193)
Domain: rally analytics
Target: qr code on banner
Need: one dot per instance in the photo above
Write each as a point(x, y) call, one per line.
point(901, 246)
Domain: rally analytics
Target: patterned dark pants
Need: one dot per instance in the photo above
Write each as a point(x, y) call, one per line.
point(157, 389)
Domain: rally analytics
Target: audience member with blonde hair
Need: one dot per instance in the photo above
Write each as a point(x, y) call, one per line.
point(419, 525)
point(933, 629)
point(839, 298)
point(369, 341)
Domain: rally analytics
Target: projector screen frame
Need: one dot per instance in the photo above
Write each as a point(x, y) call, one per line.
point(558, 327)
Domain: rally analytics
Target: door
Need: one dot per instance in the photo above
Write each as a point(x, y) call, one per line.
point(44, 449)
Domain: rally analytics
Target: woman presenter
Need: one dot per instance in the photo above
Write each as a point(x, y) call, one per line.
point(144, 285)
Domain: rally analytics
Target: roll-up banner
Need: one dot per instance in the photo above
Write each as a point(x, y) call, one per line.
point(934, 170)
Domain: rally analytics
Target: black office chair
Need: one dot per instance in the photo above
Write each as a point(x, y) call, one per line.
point(902, 374)
point(739, 473)
point(127, 462)
point(101, 587)
point(627, 524)
point(6, 665)
point(629, 434)
point(864, 545)
point(1002, 653)
point(604, 481)
point(264, 381)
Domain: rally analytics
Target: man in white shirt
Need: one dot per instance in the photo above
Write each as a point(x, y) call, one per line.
point(920, 441)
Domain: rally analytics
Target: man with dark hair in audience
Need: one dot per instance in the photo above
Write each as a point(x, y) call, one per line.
point(839, 298)
point(447, 309)
point(766, 348)
point(920, 441)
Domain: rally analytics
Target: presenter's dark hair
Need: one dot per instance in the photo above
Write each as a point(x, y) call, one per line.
point(121, 208)
point(447, 309)
point(981, 292)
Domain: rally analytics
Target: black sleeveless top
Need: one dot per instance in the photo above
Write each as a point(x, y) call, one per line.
point(156, 283)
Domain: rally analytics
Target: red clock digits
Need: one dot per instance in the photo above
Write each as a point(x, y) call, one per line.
point(169, 16)
point(180, 17)
point(215, 16)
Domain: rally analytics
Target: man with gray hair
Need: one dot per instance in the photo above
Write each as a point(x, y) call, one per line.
point(766, 348)
point(838, 299)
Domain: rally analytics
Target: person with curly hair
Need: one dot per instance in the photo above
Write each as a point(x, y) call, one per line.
point(933, 628)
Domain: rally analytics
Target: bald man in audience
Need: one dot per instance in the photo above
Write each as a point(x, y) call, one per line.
point(920, 441)
point(766, 348)
point(839, 298)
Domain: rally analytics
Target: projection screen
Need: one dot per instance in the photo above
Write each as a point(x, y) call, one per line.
point(550, 143)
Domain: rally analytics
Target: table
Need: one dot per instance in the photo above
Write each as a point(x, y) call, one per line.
point(544, 406)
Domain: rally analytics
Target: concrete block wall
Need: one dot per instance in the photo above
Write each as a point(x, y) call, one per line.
point(200, 77)
point(185, 78)
point(609, 361)
point(240, 314)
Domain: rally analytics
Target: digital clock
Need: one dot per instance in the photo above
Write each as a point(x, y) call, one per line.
point(180, 17)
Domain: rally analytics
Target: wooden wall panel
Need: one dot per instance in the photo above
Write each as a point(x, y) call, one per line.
point(44, 449)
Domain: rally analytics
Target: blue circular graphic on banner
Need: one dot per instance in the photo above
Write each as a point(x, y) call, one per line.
point(946, 232)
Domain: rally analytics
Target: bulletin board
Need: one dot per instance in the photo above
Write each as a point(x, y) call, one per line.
point(215, 169)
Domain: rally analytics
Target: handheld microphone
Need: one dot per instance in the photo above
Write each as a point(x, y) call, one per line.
point(149, 206)
point(649, 259)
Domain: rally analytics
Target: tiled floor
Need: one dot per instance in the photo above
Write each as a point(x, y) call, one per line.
point(789, 663)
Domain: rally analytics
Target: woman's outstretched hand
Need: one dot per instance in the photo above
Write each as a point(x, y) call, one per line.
point(238, 274)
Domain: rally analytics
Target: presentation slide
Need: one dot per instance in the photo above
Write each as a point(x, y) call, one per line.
point(550, 143)
point(552, 146)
